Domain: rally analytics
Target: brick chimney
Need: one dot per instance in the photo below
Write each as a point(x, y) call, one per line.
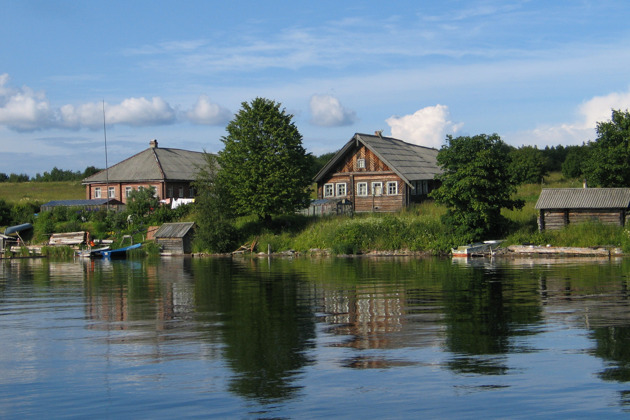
point(153, 144)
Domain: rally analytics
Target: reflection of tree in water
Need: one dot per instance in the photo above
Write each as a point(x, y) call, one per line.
point(483, 312)
point(613, 345)
point(267, 324)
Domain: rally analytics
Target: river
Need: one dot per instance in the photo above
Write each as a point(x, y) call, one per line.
point(314, 338)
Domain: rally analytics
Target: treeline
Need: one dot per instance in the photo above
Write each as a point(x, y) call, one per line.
point(54, 175)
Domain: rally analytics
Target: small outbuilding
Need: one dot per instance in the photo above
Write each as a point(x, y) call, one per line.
point(559, 207)
point(175, 238)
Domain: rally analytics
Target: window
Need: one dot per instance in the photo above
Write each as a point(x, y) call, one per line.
point(360, 163)
point(192, 192)
point(128, 191)
point(181, 192)
point(392, 188)
point(377, 188)
point(362, 188)
point(341, 189)
point(170, 192)
point(97, 192)
point(329, 190)
point(111, 192)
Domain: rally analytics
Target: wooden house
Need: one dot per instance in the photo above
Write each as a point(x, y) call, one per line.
point(175, 238)
point(379, 174)
point(559, 207)
point(170, 171)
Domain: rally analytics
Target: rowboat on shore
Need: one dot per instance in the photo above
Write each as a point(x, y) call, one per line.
point(118, 252)
point(478, 249)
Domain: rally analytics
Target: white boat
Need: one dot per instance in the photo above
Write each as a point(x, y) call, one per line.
point(91, 252)
point(476, 249)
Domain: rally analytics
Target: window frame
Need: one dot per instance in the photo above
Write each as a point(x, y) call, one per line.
point(361, 163)
point(128, 191)
point(111, 192)
point(97, 192)
point(367, 191)
point(329, 186)
point(392, 184)
point(380, 185)
point(339, 186)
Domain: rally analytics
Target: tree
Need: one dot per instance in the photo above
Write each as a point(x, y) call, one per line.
point(573, 164)
point(215, 231)
point(141, 202)
point(528, 165)
point(263, 161)
point(476, 185)
point(608, 164)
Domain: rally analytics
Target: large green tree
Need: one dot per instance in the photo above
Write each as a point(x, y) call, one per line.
point(475, 185)
point(528, 165)
point(215, 231)
point(263, 162)
point(608, 164)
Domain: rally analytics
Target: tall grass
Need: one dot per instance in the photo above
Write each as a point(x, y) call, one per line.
point(42, 192)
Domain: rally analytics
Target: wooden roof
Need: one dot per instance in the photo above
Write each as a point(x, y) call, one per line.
point(584, 198)
point(173, 230)
point(410, 162)
point(153, 164)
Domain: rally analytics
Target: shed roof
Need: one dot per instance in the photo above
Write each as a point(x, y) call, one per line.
point(409, 161)
point(174, 230)
point(584, 198)
point(153, 164)
point(81, 203)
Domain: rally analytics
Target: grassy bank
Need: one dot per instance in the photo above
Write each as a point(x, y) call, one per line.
point(42, 192)
point(420, 229)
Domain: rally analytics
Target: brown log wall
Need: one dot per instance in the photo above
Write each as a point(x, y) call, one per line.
point(557, 219)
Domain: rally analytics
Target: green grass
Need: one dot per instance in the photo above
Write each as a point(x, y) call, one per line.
point(42, 192)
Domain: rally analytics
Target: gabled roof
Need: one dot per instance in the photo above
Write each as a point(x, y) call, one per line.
point(584, 198)
point(174, 230)
point(410, 162)
point(153, 164)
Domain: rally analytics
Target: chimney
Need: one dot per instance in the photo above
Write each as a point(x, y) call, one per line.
point(153, 144)
point(379, 133)
point(585, 185)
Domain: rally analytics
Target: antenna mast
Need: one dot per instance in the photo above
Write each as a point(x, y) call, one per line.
point(106, 164)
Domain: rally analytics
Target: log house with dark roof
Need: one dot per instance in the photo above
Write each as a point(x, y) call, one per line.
point(559, 207)
point(379, 174)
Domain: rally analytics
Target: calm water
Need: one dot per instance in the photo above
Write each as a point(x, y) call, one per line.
point(342, 338)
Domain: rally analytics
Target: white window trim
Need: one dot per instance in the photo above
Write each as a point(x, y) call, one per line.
point(111, 192)
point(339, 186)
point(97, 192)
point(392, 183)
point(360, 163)
point(128, 191)
point(332, 190)
point(377, 184)
point(359, 185)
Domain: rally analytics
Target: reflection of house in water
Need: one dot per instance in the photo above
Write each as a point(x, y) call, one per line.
point(166, 292)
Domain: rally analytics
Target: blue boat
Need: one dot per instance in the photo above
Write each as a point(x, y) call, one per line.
point(119, 252)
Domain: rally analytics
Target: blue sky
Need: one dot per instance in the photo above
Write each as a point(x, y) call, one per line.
point(535, 72)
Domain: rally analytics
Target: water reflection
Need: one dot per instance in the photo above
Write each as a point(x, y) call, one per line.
point(263, 327)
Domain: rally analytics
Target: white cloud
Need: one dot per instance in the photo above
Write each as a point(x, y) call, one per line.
point(208, 113)
point(22, 109)
point(427, 126)
point(596, 109)
point(327, 111)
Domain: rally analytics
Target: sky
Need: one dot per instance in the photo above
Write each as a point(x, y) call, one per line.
point(75, 75)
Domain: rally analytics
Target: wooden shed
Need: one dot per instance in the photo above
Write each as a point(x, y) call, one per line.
point(559, 207)
point(175, 238)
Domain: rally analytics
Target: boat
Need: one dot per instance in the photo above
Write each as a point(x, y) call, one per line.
point(477, 249)
point(92, 252)
point(118, 252)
